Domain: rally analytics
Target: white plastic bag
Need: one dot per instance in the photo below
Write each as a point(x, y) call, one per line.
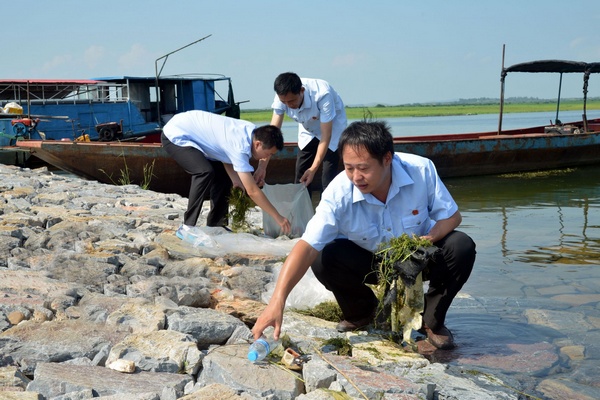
point(293, 202)
point(308, 293)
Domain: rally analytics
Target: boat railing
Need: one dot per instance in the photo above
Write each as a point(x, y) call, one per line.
point(68, 93)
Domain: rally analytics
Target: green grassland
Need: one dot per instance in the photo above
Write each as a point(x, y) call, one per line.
point(429, 110)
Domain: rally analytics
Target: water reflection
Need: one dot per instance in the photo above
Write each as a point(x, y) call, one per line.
point(535, 289)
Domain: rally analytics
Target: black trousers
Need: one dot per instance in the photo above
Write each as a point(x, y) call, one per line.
point(329, 167)
point(344, 267)
point(209, 180)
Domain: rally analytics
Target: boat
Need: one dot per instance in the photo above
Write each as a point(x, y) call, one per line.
point(558, 145)
point(122, 108)
point(109, 108)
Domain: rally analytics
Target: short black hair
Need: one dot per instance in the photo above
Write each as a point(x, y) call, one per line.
point(270, 136)
point(374, 136)
point(288, 82)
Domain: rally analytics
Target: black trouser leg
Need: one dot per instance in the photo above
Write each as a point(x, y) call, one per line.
point(329, 167)
point(208, 177)
point(447, 276)
point(343, 268)
point(219, 196)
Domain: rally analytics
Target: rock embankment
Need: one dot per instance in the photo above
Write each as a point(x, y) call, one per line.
point(98, 298)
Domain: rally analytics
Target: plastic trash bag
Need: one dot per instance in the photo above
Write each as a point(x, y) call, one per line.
point(218, 242)
point(308, 293)
point(197, 237)
point(417, 262)
point(293, 202)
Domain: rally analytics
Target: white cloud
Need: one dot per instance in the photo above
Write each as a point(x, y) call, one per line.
point(136, 56)
point(94, 55)
point(577, 42)
point(56, 63)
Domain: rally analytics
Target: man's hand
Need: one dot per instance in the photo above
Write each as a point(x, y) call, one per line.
point(284, 224)
point(237, 183)
point(308, 176)
point(271, 316)
point(261, 172)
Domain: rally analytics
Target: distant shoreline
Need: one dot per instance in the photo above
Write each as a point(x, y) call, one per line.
point(431, 110)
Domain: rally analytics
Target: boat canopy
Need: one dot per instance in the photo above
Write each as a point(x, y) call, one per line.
point(551, 66)
point(556, 66)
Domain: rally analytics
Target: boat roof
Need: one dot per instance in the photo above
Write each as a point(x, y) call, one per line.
point(558, 66)
point(50, 81)
point(204, 77)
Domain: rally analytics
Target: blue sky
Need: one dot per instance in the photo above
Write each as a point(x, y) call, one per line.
point(388, 52)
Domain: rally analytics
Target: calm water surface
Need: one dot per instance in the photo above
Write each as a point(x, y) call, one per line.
point(418, 126)
point(536, 281)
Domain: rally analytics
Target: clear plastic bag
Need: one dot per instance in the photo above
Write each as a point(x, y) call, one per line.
point(293, 202)
point(308, 293)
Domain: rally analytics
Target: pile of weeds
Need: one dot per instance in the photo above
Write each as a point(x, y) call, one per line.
point(327, 310)
point(239, 203)
point(399, 305)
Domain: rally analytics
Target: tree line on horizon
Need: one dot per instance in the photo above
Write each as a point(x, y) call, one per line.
point(466, 102)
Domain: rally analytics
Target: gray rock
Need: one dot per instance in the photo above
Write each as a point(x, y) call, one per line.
point(95, 273)
point(60, 379)
point(228, 365)
point(205, 325)
point(317, 374)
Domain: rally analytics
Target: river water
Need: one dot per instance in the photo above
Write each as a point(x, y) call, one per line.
point(535, 288)
point(530, 312)
point(417, 126)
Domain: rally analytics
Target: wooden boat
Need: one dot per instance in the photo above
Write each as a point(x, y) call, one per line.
point(517, 150)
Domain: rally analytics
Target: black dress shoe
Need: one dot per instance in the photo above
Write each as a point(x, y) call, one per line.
point(347, 325)
point(442, 338)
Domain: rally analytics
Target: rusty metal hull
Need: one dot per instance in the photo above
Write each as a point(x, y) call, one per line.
point(454, 156)
point(109, 162)
point(498, 154)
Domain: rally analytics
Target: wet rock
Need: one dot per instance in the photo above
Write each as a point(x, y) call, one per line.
point(574, 353)
point(578, 299)
point(558, 390)
point(559, 320)
point(534, 358)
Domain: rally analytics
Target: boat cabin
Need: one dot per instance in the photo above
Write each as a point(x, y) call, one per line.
point(109, 108)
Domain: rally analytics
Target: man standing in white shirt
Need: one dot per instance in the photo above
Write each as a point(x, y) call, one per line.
point(321, 117)
point(216, 151)
point(379, 196)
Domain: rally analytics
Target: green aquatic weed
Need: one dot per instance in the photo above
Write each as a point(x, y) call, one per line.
point(239, 203)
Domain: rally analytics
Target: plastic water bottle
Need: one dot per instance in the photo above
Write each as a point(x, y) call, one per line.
point(261, 348)
point(197, 237)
